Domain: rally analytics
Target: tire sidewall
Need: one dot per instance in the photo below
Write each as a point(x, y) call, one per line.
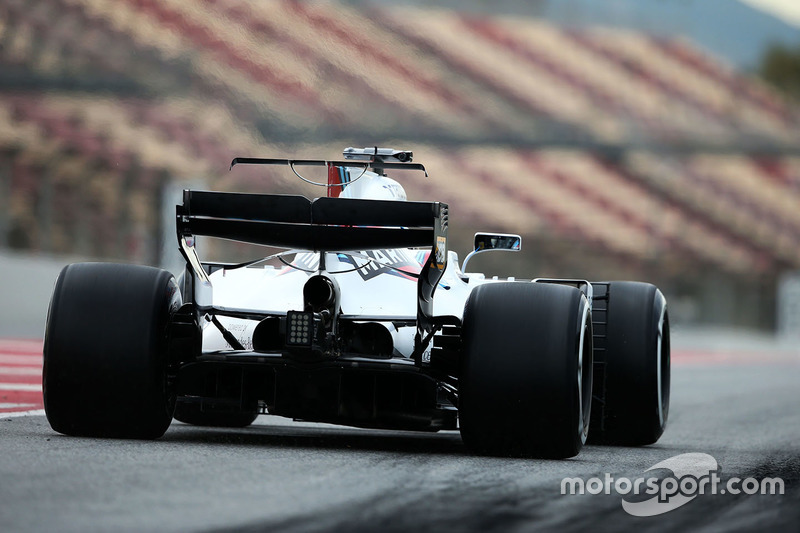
point(106, 351)
point(518, 388)
point(637, 379)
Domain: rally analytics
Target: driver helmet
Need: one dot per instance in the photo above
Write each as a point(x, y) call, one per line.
point(372, 186)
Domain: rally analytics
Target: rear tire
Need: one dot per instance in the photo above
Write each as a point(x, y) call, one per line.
point(526, 374)
point(192, 413)
point(106, 351)
point(637, 367)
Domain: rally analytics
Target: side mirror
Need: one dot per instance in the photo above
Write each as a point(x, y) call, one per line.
point(485, 242)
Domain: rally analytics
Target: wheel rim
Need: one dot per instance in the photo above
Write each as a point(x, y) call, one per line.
point(584, 376)
point(662, 365)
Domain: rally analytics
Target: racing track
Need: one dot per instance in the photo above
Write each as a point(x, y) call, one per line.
point(739, 406)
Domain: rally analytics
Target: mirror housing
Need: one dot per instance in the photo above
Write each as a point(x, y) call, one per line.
point(485, 242)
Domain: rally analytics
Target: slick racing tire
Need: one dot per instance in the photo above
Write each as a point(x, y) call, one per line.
point(105, 351)
point(192, 413)
point(525, 384)
point(632, 398)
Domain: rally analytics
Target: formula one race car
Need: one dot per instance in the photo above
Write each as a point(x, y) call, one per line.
point(365, 319)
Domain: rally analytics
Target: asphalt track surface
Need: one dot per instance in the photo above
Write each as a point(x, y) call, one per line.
point(740, 408)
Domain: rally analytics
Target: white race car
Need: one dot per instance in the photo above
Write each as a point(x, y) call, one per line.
point(365, 319)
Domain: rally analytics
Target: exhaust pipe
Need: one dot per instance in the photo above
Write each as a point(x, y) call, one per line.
point(321, 295)
point(320, 292)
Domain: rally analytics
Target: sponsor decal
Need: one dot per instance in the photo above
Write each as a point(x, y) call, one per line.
point(306, 261)
point(392, 262)
point(440, 252)
point(368, 263)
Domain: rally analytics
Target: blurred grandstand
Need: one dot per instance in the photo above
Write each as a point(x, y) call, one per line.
point(614, 153)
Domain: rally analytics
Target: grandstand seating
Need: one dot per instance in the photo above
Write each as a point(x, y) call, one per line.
point(738, 85)
point(643, 58)
point(608, 87)
point(668, 178)
point(65, 42)
point(534, 88)
point(631, 205)
point(220, 64)
point(173, 89)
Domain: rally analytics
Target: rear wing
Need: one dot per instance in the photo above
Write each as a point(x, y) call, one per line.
point(320, 225)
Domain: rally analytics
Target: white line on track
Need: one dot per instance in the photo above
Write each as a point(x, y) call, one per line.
point(21, 387)
point(16, 405)
point(20, 371)
point(35, 412)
